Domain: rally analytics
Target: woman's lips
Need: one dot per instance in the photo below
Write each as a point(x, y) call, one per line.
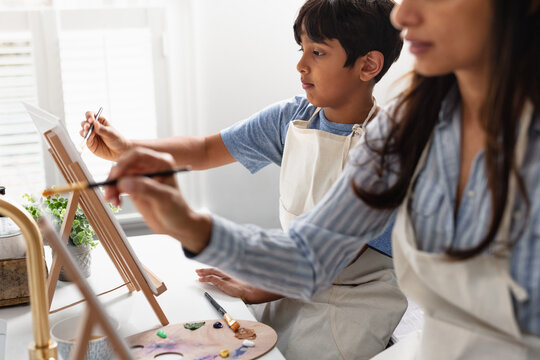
point(419, 47)
point(306, 85)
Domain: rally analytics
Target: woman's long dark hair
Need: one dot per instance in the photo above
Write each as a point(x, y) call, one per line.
point(514, 78)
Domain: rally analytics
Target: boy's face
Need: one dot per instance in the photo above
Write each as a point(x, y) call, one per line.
point(324, 78)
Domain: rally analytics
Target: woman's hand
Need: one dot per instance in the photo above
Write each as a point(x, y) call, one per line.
point(235, 288)
point(158, 199)
point(104, 141)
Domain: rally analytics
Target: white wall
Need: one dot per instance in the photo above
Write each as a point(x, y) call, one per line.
point(231, 59)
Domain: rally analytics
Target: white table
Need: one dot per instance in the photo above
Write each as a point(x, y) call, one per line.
point(182, 302)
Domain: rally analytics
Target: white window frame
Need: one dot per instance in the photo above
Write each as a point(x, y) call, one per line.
point(46, 24)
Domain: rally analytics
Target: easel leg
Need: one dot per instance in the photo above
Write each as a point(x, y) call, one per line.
point(155, 306)
point(73, 202)
point(82, 337)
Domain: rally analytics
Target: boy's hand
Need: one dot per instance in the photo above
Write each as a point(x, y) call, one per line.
point(158, 199)
point(235, 288)
point(105, 141)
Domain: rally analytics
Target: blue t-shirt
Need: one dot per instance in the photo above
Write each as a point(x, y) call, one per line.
point(259, 140)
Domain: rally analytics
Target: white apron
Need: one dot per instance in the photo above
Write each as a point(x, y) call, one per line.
point(312, 162)
point(468, 303)
point(354, 318)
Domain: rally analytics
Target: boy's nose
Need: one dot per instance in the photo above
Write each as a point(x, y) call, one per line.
point(301, 66)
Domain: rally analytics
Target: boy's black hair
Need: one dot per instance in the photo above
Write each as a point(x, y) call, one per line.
point(360, 26)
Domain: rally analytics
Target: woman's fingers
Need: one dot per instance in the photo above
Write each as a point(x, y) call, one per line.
point(138, 161)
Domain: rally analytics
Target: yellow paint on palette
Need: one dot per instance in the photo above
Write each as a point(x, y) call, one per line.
point(224, 353)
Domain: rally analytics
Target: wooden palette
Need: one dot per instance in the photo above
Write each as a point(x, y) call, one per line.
point(205, 343)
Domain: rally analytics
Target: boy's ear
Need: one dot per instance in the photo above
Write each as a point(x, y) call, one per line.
point(371, 65)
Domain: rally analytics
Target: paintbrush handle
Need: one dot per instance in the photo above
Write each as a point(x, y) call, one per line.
point(150, 175)
point(85, 185)
point(233, 324)
point(215, 304)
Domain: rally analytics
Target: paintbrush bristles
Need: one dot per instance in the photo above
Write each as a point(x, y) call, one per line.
point(233, 324)
point(66, 188)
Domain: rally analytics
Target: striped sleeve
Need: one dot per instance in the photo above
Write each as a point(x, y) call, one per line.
point(319, 244)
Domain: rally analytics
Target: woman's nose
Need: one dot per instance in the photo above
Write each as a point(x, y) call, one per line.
point(404, 15)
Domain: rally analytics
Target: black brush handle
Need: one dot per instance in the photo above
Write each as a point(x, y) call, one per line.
point(154, 174)
point(215, 304)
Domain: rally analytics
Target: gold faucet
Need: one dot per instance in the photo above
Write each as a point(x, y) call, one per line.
point(43, 347)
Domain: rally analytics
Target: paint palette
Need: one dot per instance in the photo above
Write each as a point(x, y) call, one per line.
point(204, 343)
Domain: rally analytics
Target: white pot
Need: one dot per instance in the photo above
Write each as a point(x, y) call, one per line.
point(82, 255)
point(64, 332)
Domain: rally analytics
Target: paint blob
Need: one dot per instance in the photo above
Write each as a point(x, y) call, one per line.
point(207, 357)
point(193, 326)
point(244, 333)
point(149, 349)
point(218, 325)
point(224, 353)
point(240, 351)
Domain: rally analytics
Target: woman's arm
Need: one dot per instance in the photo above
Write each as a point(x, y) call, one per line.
point(317, 247)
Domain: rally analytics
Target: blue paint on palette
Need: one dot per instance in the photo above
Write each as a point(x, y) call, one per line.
point(240, 351)
point(237, 353)
point(161, 346)
point(208, 357)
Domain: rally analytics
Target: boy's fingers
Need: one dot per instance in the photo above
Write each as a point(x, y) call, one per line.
point(85, 125)
point(211, 271)
point(89, 116)
point(205, 278)
point(212, 279)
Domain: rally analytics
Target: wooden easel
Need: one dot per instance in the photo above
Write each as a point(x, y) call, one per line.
point(111, 236)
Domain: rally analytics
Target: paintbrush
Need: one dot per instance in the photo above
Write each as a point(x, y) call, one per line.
point(233, 324)
point(83, 185)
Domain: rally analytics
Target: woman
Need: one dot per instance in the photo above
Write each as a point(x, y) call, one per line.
point(457, 160)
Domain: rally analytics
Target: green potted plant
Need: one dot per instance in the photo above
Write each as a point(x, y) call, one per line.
point(82, 238)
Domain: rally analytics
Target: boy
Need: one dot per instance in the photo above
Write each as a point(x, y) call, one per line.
point(347, 47)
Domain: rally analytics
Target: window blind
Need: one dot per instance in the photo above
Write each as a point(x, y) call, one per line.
point(21, 166)
point(68, 65)
point(113, 69)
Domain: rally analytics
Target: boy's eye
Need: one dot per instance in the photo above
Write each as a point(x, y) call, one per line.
point(318, 53)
